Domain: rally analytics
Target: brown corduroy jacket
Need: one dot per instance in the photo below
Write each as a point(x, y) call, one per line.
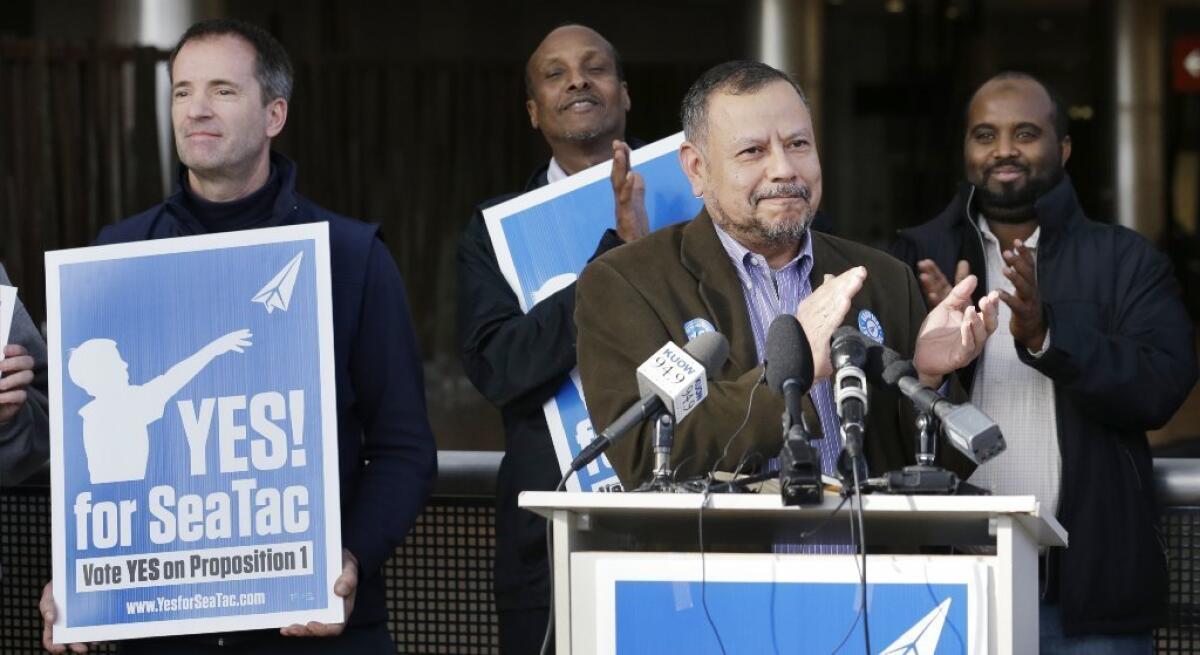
point(635, 298)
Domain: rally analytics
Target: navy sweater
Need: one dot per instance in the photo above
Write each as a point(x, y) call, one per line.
point(386, 450)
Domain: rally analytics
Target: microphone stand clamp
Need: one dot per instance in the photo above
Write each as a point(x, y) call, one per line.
point(923, 478)
point(663, 478)
point(799, 467)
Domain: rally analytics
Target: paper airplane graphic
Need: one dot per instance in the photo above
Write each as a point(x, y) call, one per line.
point(277, 294)
point(923, 637)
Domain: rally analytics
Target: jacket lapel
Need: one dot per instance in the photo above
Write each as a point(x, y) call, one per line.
point(720, 290)
point(827, 260)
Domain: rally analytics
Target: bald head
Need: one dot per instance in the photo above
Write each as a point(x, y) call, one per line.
point(576, 93)
point(1016, 146)
point(570, 37)
point(1034, 91)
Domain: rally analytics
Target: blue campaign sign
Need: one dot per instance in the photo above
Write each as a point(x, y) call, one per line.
point(544, 238)
point(796, 617)
point(567, 412)
point(630, 603)
point(194, 435)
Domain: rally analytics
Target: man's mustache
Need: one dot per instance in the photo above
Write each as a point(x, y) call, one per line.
point(590, 97)
point(1011, 163)
point(800, 191)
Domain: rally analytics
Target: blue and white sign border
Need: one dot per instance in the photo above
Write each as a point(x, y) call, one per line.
point(333, 612)
point(494, 217)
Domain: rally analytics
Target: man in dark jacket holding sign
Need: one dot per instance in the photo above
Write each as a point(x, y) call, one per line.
point(578, 99)
point(230, 88)
point(1094, 348)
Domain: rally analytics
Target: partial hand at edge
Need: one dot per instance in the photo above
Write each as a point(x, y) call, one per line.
point(629, 195)
point(934, 285)
point(1028, 324)
point(16, 373)
point(346, 586)
point(49, 612)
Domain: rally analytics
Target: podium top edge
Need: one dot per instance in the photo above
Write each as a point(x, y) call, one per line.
point(1043, 527)
point(574, 500)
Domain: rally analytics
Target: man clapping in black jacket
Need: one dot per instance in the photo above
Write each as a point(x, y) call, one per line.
point(577, 98)
point(1093, 349)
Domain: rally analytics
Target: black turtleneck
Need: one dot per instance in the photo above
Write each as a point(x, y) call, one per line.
point(245, 213)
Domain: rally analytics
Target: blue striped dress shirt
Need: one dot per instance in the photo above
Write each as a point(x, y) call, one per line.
point(768, 294)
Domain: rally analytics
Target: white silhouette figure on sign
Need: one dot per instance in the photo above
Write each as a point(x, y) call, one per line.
point(553, 286)
point(116, 437)
point(277, 294)
point(585, 434)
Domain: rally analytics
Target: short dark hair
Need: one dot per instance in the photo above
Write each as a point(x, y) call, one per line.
point(612, 51)
point(1059, 119)
point(734, 77)
point(273, 67)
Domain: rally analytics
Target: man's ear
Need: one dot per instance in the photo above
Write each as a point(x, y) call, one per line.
point(532, 108)
point(625, 101)
point(277, 112)
point(1066, 149)
point(692, 162)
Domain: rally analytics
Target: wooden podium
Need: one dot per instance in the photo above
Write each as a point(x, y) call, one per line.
point(588, 527)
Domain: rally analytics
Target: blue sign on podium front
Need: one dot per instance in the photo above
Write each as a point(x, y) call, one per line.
point(634, 603)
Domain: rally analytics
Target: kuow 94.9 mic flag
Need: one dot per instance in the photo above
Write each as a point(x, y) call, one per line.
point(674, 379)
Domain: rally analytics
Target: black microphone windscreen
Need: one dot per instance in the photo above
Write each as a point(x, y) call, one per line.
point(897, 368)
point(879, 357)
point(846, 332)
point(711, 349)
point(789, 357)
point(849, 347)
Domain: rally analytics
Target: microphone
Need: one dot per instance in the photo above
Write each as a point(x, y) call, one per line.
point(790, 373)
point(673, 379)
point(849, 355)
point(969, 430)
point(789, 364)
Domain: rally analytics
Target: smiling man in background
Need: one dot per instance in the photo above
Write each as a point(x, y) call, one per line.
point(577, 98)
point(1093, 349)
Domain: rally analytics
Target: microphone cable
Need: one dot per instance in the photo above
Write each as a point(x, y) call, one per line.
point(703, 568)
point(545, 650)
point(704, 572)
point(707, 495)
point(962, 647)
point(862, 540)
point(704, 498)
point(562, 483)
point(862, 569)
point(745, 419)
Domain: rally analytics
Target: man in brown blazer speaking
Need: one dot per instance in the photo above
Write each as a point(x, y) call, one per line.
point(748, 257)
